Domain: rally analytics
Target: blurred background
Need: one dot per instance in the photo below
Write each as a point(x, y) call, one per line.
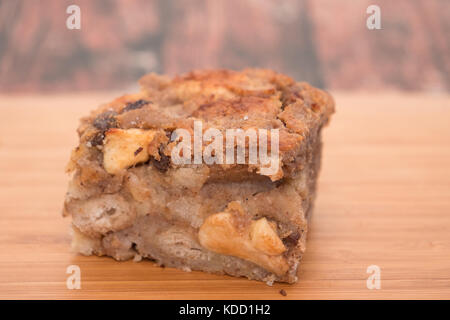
point(384, 186)
point(325, 42)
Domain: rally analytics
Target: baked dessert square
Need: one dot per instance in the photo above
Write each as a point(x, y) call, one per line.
point(213, 170)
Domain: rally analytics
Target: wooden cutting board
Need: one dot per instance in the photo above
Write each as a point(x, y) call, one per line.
point(384, 200)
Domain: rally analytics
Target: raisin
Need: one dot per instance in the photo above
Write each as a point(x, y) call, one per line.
point(135, 105)
point(97, 139)
point(283, 292)
point(163, 163)
point(106, 120)
point(111, 211)
point(292, 239)
point(138, 150)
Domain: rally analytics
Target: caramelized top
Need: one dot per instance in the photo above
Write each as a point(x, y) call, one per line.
point(221, 99)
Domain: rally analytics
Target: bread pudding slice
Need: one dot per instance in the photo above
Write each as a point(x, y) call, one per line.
point(129, 198)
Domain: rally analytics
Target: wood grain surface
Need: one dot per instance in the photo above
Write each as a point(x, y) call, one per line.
point(384, 199)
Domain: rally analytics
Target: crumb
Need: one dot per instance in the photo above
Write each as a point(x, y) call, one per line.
point(138, 151)
point(283, 293)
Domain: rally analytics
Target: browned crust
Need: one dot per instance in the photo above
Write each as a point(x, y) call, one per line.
point(223, 99)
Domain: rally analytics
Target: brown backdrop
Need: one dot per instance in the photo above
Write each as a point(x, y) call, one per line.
point(325, 42)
